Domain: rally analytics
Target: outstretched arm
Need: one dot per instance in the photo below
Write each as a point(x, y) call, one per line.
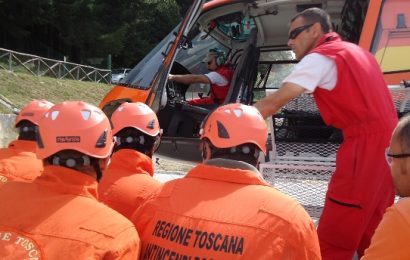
point(271, 104)
point(189, 78)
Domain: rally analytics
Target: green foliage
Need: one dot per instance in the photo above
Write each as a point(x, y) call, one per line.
point(85, 29)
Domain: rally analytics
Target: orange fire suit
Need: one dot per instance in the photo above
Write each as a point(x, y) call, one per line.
point(127, 182)
point(18, 162)
point(225, 212)
point(390, 240)
point(58, 216)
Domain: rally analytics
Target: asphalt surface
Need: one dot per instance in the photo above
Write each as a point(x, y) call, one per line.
point(167, 168)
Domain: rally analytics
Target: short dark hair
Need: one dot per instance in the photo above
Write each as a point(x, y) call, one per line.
point(236, 153)
point(403, 133)
point(146, 148)
point(316, 15)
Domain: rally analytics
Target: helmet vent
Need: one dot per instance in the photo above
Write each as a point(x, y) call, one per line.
point(54, 115)
point(102, 140)
point(144, 108)
point(238, 112)
point(28, 114)
point(151, 124)
point(222, 132)
point(86, 114)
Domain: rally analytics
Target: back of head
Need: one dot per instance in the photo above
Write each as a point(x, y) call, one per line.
point(136, 127)
point(234, 131)
point(29, 116)
point(77, 127)
point(316, 15)
point(398, 154)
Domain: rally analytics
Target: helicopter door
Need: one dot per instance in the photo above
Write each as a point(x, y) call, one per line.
point(158, 84)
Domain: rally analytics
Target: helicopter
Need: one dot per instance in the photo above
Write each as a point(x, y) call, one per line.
point(254, 35)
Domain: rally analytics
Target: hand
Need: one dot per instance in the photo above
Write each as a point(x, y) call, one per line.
point(171, 77)
point(179, 104)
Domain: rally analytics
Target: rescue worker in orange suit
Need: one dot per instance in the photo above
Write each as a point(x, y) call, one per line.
point(128, 180)
point(219, 78)
point(18, 162)
point(222, 208)
point(351, 94)
point(390, 240)
point(58, 215)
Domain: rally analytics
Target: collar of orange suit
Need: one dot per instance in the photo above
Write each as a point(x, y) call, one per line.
point(68, 181)
point(131, 161)
point(228, 171)
point(24, 145)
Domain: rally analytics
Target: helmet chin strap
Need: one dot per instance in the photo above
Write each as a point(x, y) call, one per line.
point(97, 168)
point(77, 161)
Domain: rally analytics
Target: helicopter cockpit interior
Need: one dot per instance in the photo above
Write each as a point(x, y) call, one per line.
point(177, 117)
point(254, 36)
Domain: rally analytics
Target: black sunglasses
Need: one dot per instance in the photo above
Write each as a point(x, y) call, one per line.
point(295, 32)
point(390, 155)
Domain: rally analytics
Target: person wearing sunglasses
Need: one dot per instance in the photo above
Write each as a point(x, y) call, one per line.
point(390, 240)
point(219, 78)
point(351, 94)
point(128, 181)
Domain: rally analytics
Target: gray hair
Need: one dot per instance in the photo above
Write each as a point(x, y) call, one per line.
point(316, 15)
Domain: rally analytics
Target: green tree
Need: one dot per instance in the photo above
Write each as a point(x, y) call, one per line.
point(133, 28)
point(24, 24)
point(77, 28)
point(84, 29)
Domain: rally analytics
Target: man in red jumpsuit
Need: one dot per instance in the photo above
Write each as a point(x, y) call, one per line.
point(222, 208)
point(351, 95)
point(219, 78)
point(128, 181)
point(18, 162)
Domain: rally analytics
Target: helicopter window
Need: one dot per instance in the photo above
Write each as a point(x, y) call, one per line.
point(277, 74)
point(273, 68)
point(143, 74)
point(192, 59)
point(352, 19)
point(236, 26)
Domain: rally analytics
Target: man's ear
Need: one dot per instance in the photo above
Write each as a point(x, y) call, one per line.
point(316, 30)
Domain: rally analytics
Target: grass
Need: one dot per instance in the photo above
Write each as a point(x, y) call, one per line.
point(20, 88)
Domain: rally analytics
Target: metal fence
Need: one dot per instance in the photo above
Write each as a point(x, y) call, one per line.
point(39, 66)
